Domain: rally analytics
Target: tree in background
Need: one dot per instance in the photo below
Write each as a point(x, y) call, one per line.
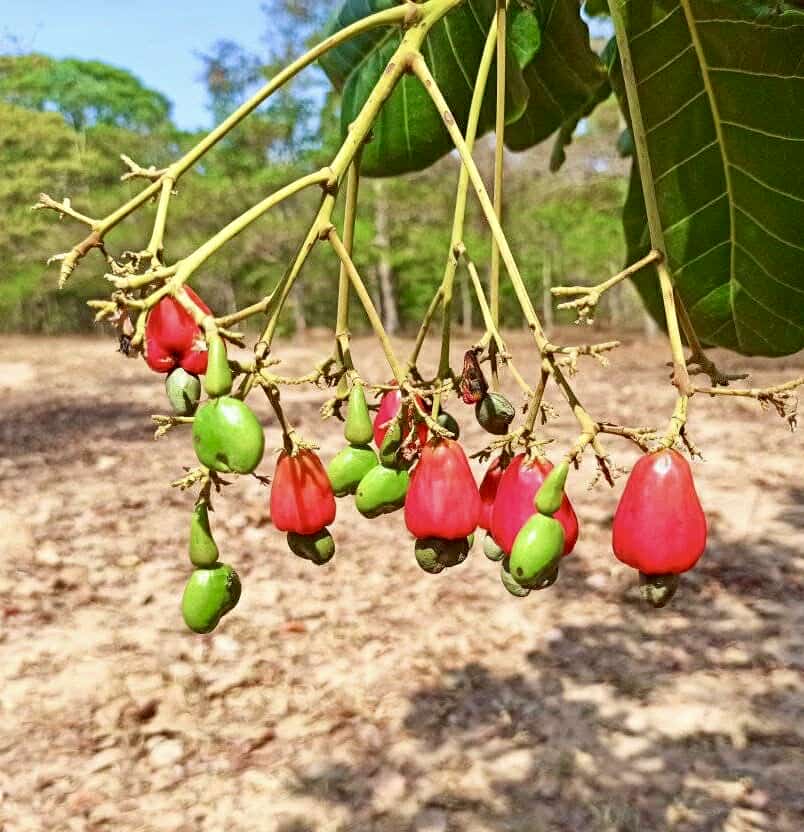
point(86, 93)
point(572, 229)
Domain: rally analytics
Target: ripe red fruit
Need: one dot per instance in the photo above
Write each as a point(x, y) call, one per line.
point(513, 506)
point(488, 491)
point(173, 338)
point(443, 500)
point(659, 526)
point(301, 495)
point(389, 407)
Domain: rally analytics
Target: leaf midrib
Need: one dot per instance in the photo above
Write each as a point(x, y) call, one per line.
point(692, 25)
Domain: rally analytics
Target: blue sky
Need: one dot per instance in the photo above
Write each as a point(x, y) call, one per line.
point(156, 39)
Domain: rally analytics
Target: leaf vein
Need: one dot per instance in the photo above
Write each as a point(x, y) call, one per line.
point(701, 256)
point(764, 184)
point(765, 270)
point(655, 25)
point(676, 112)
point(767, 230)
point(792, 76)
point(665, 65)
point(698, 210)
point(763, 132)
point(684, 161)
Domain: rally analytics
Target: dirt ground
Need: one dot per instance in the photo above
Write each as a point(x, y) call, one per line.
point(367, 695)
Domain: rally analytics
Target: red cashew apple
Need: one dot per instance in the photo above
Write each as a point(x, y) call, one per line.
point(302, 500)
point(443, 500)
point(389, 407)
point(659, 526)
point(173, 339)
point(488, 491)
point(514, 506)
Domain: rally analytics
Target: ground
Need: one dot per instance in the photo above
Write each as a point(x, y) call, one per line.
point(367, 695)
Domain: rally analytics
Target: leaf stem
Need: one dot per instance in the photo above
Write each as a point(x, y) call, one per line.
point(431, 86)
point(590, 295)
point(499, 170)
point(342, 335)
point(459, 217)
point(157, 244)
point(368, 304)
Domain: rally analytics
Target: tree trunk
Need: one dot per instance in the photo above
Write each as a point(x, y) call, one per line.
point(374, 288)
point(385, 272)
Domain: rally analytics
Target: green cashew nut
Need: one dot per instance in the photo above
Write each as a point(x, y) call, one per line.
point(358, 429)
point(318, 548)
point(434, 554)
point(658, 590)
point(183, 391)
point(490, 548)
point(208, 596)
point(427, 556)
point(203, 549)
point(495, 413)
point(536, 550)
point(510, 584)
point(447, 421)
point(218, 379)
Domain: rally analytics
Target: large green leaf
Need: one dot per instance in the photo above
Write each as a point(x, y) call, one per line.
point(566, 79)
point(721, 93)
point(409, 133)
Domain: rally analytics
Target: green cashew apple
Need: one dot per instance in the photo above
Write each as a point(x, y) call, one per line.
point(382, 491)
point(551, 492)
point(358, 429)
point(318, 548)
point(227, 437)
point(208, 596)
point(183, 391)
point(218, 378)
point(203, 549)
point(391, 444)
point(348, 468)
point(536, 550)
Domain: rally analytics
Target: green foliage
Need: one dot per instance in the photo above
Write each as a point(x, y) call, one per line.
point(553, 80)
point(84, 92)
point(721, 248)
point(409, 134)
point(717, 93)
point(565, 80)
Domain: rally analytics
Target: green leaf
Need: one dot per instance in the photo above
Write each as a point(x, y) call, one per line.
point(566, 79)
point(720, 87)
point(524, 35)
point(596, 8)
point(409, 133)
